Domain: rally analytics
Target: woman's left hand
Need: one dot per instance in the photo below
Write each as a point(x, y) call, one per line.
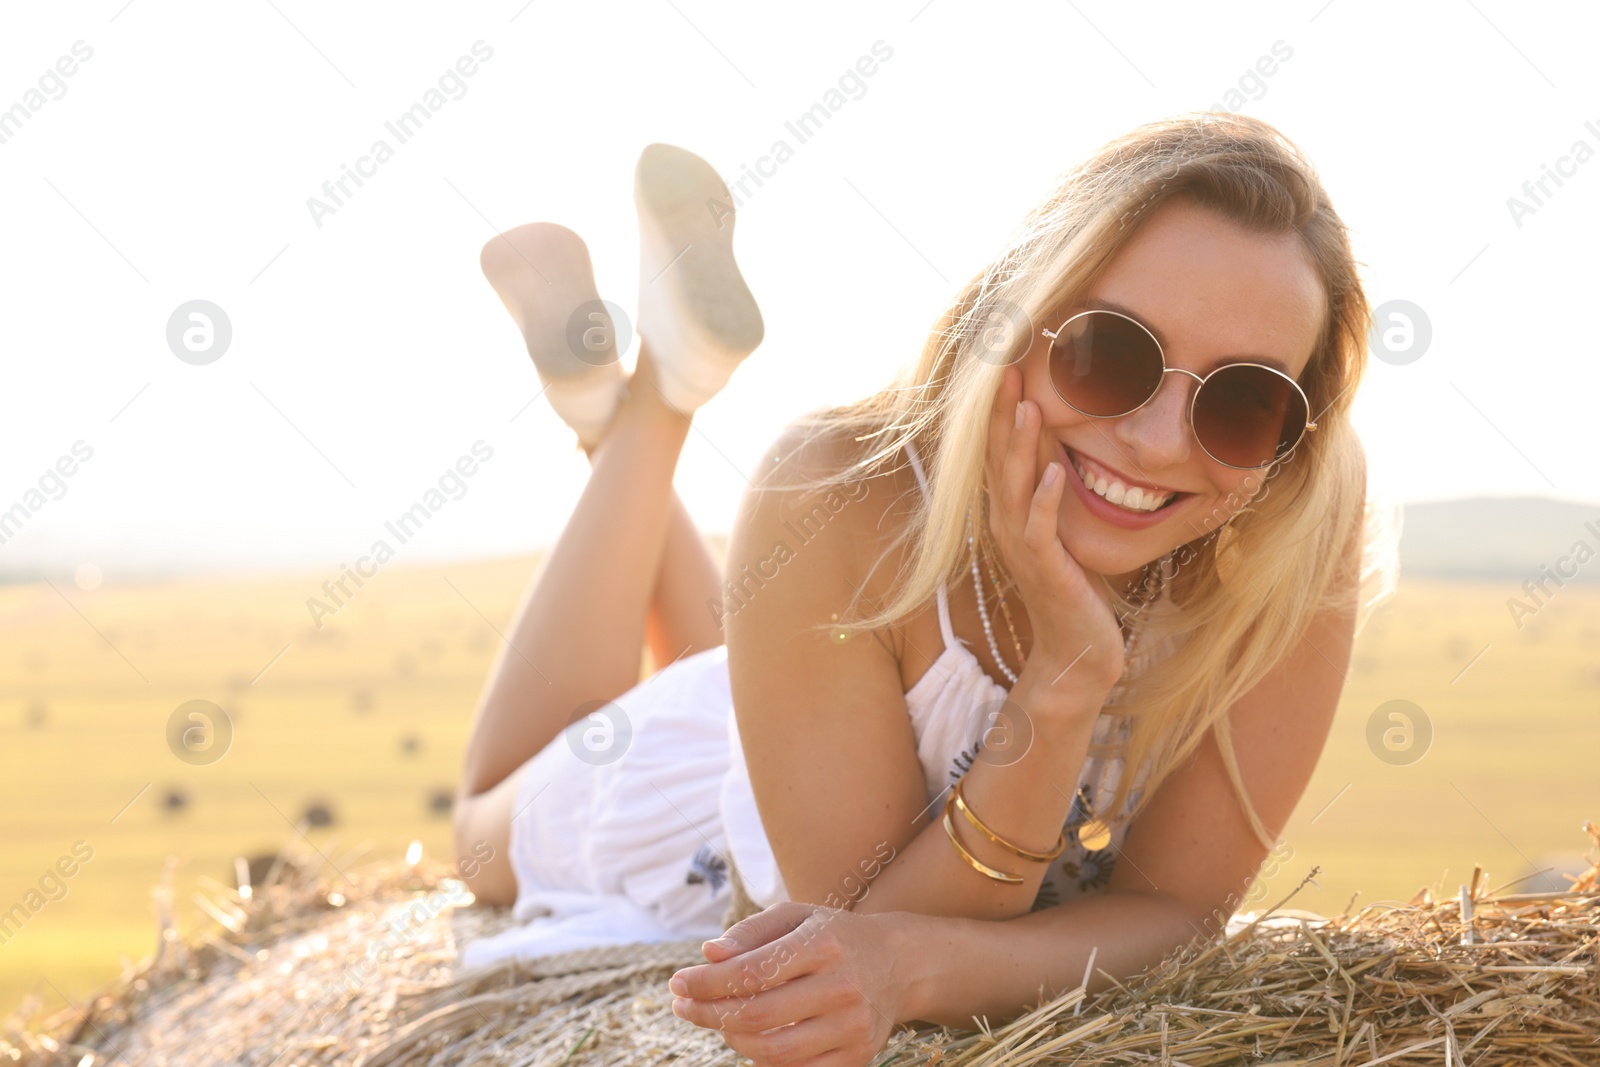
point(829, 972)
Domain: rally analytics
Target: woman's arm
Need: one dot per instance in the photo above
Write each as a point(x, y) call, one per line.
point(804, 983)
point(824, 724)
point(958, 969)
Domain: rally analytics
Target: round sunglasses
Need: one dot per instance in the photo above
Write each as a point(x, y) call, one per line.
point(1244, 415)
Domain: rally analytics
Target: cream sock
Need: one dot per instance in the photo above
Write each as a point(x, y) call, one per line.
point(695, 311)
point(543, 276)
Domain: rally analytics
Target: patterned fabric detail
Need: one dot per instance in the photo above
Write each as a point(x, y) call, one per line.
point(1093, 870)
point(962, 762)
point(707, 867)
point(1077, 869)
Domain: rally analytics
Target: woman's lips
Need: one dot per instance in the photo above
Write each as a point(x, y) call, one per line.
point(1101, 468)
point(1114, 514)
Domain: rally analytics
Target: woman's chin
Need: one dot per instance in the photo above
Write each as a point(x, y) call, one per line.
point(1096, 559)
point(1115, 557)
point(1100, 548)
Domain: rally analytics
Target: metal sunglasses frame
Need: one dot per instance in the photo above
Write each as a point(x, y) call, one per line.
point(1310, 424)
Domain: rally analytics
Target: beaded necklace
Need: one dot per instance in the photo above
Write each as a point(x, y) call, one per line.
point(1143, 594)
point(991, 564)
point(983, 609)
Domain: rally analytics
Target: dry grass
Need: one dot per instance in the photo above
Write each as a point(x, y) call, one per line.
point(370, 716)
point(1484, 980)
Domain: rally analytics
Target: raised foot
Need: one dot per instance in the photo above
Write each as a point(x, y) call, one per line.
point(542, 274)
point(695, 310)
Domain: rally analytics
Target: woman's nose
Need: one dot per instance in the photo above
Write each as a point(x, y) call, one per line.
point(1157, 435)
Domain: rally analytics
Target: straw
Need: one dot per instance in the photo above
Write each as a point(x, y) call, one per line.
point(1481, 980)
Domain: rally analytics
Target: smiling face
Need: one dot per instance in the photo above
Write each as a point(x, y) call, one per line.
point(1213, 293)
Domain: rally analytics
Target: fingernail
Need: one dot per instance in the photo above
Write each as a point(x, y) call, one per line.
point(1019, 414)
point(725, 942)
point(1051, 473)
point(678, 985)
point(679, 1006)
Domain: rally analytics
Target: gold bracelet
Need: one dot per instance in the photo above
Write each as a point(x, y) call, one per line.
point(978, 865)
point(1036, 857)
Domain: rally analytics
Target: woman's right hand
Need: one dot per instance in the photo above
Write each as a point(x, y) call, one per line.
point(801, 984)
point(1077, 653)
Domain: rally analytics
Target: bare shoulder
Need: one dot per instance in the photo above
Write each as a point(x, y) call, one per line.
point(821, 714)
point(811, 505)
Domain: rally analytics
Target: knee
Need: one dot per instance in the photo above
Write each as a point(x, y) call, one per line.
point(461, 831)
point(482, 856)
point(473, 863)
point(470, 844)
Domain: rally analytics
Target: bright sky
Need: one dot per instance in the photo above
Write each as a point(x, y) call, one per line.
point(368, 354)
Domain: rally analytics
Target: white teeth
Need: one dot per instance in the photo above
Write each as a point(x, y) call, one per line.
point(1134, 498)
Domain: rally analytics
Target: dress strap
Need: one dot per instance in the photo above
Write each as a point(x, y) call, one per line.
point(916, 465)
point(947, 630)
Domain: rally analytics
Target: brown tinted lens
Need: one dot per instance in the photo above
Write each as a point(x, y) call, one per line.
point(1104, 364)
point(1247, 416)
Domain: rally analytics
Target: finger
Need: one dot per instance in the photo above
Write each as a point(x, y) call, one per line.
point(716, 952)
point(1002, 421)
point(800, 1043)
point(1017, 478)
point(769, 923)
point(764, 927)
point(770, 959)
point(800, 998)
point(1040, 533)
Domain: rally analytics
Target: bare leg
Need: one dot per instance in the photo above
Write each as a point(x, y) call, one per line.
point(579, 633)
point(681, 621)
point(680, 624)
point(628, 563)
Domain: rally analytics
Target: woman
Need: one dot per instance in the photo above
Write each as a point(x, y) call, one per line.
point(903, 773)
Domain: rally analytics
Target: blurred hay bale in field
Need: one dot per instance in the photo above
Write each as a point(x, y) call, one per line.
point(364, 971)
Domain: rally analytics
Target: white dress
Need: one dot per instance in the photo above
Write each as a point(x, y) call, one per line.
point(625, 822)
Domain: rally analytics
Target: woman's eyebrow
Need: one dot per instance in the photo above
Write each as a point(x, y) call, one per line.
point(1097, 304)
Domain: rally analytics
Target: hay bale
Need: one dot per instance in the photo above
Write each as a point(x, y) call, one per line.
point(364, 971)
point(318, 814)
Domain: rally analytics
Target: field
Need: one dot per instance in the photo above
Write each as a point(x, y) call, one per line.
point(365, 719)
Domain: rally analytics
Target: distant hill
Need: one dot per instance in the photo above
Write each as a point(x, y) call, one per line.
point(1498, 537)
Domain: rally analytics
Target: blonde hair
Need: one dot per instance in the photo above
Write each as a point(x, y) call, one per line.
point(1291, 539)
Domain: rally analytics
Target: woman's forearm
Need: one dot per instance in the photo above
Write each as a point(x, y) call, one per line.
point(1021, 787)
point(957, 968)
